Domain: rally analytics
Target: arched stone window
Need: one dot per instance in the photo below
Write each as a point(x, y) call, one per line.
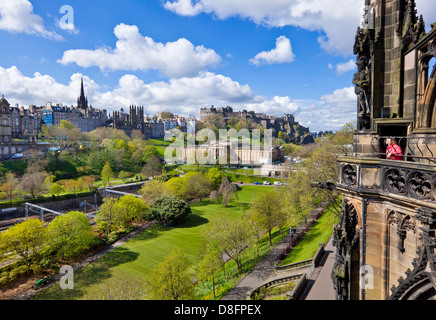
point(426, 94)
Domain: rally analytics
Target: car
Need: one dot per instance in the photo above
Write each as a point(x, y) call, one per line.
point(266, 183)
point(257, 183)
point(17, 156)
point(278, 183)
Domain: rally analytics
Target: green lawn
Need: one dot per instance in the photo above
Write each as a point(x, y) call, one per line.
point(144, 252)
point(319, 233)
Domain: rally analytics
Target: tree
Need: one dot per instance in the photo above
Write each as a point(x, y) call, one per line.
point(268, 210)
point(33, 183)
point(124, 175)
point(149, 152)
point(231, 236)
point(177, 187)
point(215, 177)
point(72, 185)
point(256, 228)
point(208, 266)
point(9, 187)
point(84, 170)
point(214, 196)
point(152, 168)
point(36, 164)
point(108, 216)
point(107, 174)
point(70, 234)
point(227, 189)
point(88, 182)
point(119, 289)
point(56, 189)
point(197, 185)
point(171, 280)
point(25, 239)
point(319, 166)
point(170, 209)
point(137, 134)
point(130, 209)
point(153, 190)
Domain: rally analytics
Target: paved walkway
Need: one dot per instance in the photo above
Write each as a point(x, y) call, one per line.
point(261, 273)
point(264, 271)
point(319, 285)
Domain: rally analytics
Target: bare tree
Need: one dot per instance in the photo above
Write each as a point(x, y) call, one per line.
point(152, 168)
point(227, 189)
point(33, 183)
point(9, 187)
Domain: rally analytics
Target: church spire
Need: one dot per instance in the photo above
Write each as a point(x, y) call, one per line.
point(82, 101)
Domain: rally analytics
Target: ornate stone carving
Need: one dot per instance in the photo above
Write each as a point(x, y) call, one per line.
point(362, 78)
point(349, 174)
point(346, 239)
point(420, 283)
point(395, 180)
point(419, 185)
point(409, 225)
point(393, 219)
point(409, 28)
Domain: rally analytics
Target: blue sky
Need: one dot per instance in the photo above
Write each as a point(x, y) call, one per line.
point(273, 56)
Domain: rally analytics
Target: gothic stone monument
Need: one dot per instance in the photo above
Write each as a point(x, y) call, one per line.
point(386, 237)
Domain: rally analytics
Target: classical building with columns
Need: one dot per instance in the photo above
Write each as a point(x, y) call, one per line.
point(226, 154)
point(386, 237)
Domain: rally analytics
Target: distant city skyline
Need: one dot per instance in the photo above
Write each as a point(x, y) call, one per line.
point(275, 57)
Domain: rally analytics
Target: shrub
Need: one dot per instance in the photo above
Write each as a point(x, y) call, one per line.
point(170, 209)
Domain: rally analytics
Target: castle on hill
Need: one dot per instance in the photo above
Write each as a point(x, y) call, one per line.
point(295, 132)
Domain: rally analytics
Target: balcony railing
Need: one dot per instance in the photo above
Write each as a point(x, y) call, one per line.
point(414, 148)
point(414, 182)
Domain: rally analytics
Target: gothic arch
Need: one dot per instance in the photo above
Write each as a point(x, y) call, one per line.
point(420, 283)
point(426, 111)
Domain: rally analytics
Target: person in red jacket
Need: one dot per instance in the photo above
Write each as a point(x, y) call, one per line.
point(393, 150)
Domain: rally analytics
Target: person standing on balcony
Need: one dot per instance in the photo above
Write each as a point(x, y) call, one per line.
point(393, 150)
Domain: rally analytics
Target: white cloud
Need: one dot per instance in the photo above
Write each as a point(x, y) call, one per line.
point(184, 7)
point(183, 96)
point(186, 95)
point(336, 21)
point(345, 67)
point(18, 16)
point(135, 52)
point(40, 89)
point(282, 53)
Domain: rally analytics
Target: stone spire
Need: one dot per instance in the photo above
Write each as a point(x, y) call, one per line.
point(82, 101)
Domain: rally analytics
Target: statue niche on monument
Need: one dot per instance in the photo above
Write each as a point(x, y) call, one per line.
point(362, 78)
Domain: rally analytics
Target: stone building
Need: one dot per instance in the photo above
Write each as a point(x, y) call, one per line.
point(83, 116)
point(218, 152)
point(286, 124)
point(385, 240)
point(18, 130)
point(25, 124)
point(5, 121)
point(135, 120)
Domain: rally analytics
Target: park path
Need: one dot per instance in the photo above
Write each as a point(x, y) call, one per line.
point(319, 285)
point(264, 271)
